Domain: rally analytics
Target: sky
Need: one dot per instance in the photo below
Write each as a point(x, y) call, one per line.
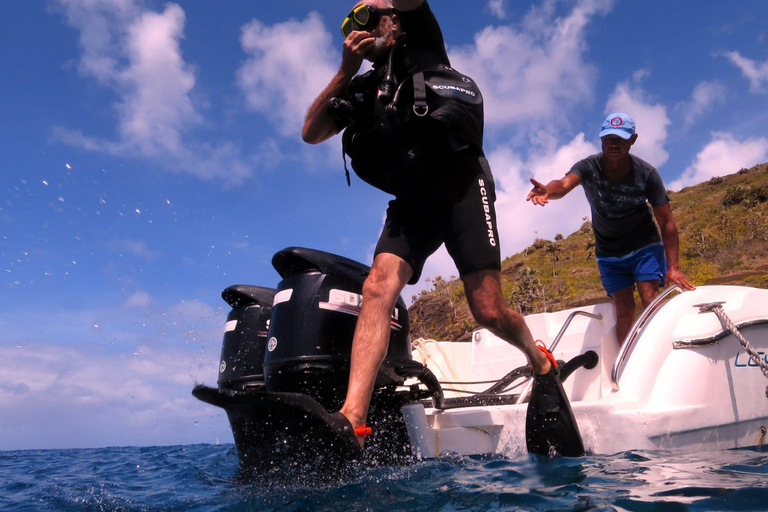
point(151, 156)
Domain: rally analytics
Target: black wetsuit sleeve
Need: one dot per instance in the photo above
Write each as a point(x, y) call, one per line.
point(426, 45)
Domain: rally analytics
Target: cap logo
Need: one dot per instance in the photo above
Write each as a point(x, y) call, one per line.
point(617, 121)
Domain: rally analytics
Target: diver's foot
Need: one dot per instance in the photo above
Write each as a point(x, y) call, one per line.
point(549, 423)
point(346, 428)
point(548, 360)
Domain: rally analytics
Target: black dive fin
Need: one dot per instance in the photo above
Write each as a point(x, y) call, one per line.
point(549, 421)
point(292, 427)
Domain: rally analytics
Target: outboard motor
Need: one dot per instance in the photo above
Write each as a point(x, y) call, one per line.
point(245, 337)
point(284, 369)
point(313, 322)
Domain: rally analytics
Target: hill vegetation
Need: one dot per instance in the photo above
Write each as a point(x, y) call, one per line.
point(723, 225)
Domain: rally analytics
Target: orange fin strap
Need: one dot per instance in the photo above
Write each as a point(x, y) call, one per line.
point(543, 348)
point(363, 431)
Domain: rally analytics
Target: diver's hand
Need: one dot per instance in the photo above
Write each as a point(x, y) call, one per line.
point(676, 276)
point(538, 194)
point(355, 48)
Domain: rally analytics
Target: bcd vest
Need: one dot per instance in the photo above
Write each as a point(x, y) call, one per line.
point(432, 113)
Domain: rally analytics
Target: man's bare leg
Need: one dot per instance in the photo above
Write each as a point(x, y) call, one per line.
point(648, 290)
point(483, 289)
point(624, 305)
point(389, 275)
point(545, 428)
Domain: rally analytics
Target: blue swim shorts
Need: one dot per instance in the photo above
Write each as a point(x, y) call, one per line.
point(646, 264)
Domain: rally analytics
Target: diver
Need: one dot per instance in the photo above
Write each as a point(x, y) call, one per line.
point(443, 193)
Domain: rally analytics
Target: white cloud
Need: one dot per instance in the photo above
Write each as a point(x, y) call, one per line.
point(535, 73)
point(519, 220)
point(722, 156)
point(103, 27)
point(651, 119)
point(157, 107)
point(496, 8)
point(137, 53)
point(281, 80)
point(110, 377)
point(705, 96)
point(59, 397)
point(137, 300)
point(756, 72)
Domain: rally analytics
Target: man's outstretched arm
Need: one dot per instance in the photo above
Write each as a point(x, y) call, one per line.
point(541, 194)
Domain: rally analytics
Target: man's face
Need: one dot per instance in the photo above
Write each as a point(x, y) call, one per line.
point(383, 33)
point(384, 38)
point(616, 148)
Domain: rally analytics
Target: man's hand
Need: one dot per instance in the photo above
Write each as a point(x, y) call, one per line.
point(538, 194)
point(676, 276)
point(355, 48)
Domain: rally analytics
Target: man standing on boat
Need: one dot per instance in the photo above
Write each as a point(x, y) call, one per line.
point(443, 187)
point(629, 248)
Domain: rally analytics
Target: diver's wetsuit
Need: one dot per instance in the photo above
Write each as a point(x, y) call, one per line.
point(442, 195)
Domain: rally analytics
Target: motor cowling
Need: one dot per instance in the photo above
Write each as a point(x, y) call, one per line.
point(314, 315)
point(245, 337)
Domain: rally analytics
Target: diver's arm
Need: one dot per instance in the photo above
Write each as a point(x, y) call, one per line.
point(671, 240)
point(319, 124)
point(541, 194)
point(406, 5)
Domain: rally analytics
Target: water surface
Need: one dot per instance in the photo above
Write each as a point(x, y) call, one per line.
point(206, 478)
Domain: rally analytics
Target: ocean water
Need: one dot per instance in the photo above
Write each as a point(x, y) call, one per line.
point(207, 478)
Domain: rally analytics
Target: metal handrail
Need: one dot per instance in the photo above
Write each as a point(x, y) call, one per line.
point(597, 316)
point(634, 332)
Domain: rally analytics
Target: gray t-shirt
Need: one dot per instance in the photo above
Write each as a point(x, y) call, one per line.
point(621, 218)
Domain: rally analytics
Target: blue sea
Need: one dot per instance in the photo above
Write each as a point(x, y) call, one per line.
point(206, 478)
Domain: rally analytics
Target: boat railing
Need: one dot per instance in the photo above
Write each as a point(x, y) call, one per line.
point(597, 316)
point(634, 332)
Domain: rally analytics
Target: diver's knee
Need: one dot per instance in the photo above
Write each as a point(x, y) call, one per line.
point(488, 317)
point(379, 285)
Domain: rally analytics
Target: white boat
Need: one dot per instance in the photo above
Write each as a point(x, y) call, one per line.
point(681, 381)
